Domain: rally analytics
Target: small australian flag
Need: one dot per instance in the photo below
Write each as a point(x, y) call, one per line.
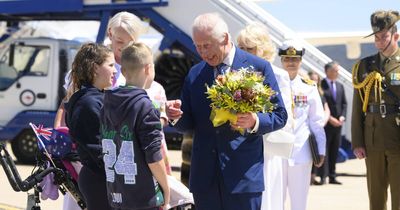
point(54, 141)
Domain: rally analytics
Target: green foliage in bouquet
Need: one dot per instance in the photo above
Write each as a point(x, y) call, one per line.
point(241, 91)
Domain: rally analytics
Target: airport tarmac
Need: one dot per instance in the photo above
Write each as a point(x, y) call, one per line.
point(352, 195)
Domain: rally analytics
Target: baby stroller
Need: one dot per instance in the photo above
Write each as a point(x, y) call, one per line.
point(53, 171)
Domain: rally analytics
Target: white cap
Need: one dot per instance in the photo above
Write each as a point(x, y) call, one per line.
point(291, 48)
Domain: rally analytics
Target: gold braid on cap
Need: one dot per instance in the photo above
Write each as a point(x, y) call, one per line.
point(373, 78)
point(290, 51)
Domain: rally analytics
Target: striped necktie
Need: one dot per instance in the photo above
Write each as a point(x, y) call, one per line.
point(222, 69)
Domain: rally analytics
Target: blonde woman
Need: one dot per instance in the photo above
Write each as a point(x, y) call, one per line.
point(255, 39)
point(123, 28)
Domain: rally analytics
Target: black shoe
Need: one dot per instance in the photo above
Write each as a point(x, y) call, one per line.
point(315, 182)
point(322, 182)
point(334, 181)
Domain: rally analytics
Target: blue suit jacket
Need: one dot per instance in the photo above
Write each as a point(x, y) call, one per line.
point(238, 157)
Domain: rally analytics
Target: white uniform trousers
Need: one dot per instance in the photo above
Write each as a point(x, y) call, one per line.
point(272, 197)
point(296, 181)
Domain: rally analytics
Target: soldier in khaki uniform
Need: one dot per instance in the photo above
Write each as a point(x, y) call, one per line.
point(376, 112)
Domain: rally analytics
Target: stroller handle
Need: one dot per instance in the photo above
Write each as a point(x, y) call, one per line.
point(14, 177)
point(8, 166)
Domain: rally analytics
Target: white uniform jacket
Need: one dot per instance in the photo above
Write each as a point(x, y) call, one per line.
point(282, 77)
point(308, 114)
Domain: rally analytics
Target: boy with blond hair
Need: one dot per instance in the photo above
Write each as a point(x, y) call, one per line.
point(131, 137)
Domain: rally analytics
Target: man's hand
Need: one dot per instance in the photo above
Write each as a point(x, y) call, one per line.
point(359, 152)
point(335, 122)
point(321, 161)
point(173, 109)
point(245, 120)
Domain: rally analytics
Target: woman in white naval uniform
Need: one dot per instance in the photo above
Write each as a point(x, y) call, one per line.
point(308, 114)
point(255, 39)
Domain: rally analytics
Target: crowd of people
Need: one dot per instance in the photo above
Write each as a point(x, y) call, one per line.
point(116, 112)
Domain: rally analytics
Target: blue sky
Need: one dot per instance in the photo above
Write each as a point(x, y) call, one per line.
point(327, 15)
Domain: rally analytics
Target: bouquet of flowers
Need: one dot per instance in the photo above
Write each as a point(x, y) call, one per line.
point(238, 91)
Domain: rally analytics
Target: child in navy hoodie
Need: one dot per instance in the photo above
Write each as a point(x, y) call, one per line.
point(131, 137)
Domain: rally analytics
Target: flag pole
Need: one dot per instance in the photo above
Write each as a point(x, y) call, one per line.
point(42, 144)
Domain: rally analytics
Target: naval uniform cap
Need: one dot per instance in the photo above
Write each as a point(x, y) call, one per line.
point(383, 20)
point(291, 48)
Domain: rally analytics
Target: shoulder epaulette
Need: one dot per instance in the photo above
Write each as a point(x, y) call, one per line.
point(397, 56)
point(308, 81)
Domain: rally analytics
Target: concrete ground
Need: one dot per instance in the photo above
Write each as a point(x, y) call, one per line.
point(352, 195)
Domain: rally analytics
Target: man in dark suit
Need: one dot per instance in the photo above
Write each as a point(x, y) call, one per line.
point(335, 96)
point(227, 167)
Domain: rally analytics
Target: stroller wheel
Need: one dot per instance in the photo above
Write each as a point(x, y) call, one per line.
point(24, 147)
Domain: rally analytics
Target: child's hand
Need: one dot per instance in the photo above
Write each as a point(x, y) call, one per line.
point(166, 194)
point(158, 171)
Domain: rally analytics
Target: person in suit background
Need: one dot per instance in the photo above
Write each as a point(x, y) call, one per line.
point(317, 79)
point(226, 167)
point(336, 99)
